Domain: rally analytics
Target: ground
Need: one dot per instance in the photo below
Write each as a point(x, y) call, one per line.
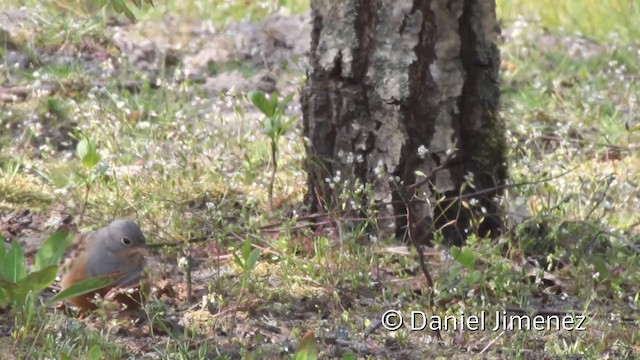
point(164, 101)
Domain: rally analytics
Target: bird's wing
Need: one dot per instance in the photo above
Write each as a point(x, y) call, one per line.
point(130, 279)
point(74, 268)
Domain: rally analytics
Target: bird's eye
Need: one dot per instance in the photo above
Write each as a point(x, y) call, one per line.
point(125, 241)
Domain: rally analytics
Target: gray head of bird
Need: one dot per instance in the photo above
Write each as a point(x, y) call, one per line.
point(117, 247)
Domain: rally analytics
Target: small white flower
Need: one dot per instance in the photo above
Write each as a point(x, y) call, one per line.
point(182, 262)
point(422, 151)
point(336, 178)
point(350, 158)
point(379, 169)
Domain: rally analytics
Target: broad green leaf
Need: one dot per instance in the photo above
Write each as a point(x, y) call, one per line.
point(238, 261)
point(464, 256)
point(285, 101)
point(277, 122)
point(268, 129)
point(246, 249)
point(38, 280)
point(95, 5)
point(260, 101)
point(94, 353)
point(13, 265)
point(128, 13)
point(253, 259)
point(15, 295)
point(4, 297)
point(348, 356)
point(308, 348)
point(52, 250)
point(288, 123)
point(83, 287)
point(137, 3)
point(473, 277)
point(83, 148)
point(3, 251)
point(33, 283)
point(86, 151)
point(273, 103)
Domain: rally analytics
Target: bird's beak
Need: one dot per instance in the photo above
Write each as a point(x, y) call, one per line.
point(144, 251)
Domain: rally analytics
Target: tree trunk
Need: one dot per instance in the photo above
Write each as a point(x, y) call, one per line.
point(403, 91)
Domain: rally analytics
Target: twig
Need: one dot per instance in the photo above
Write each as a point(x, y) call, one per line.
point(510, 186)
point(491, 343)
point(189, 282)
point(84, 203)
point(274, 169)
point(432, 172)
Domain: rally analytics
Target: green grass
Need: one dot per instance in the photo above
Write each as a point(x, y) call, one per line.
point(610, 20)
point(187, 164)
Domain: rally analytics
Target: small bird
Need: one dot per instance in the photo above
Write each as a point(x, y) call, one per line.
point(117, 249)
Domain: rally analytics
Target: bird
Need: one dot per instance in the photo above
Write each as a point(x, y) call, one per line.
point(118, 249)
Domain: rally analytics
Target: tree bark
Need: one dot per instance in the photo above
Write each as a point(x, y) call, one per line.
point(401, 90)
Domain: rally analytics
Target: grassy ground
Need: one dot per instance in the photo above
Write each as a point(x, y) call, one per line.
point(190, 165)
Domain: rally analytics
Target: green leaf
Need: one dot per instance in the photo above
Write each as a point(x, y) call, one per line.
point(273, 103)
point(4, 297)
point(96, 4)
point(94, 353)
point(86, 151)
point(128, 14)
point(285, 101)
point(473, 277)
point(288, 123)
point(33, 283)
point(83, 148)
point(10, 290)
point(3, 251)
point(38, 280)
point(83, 287)
point(237, 260)
point(52, 250)
point(13, 266)
point(308, 348)
point(268, 129)
point(464, 256)
point(246, 249)
point(260, 101)
point(253, 259)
